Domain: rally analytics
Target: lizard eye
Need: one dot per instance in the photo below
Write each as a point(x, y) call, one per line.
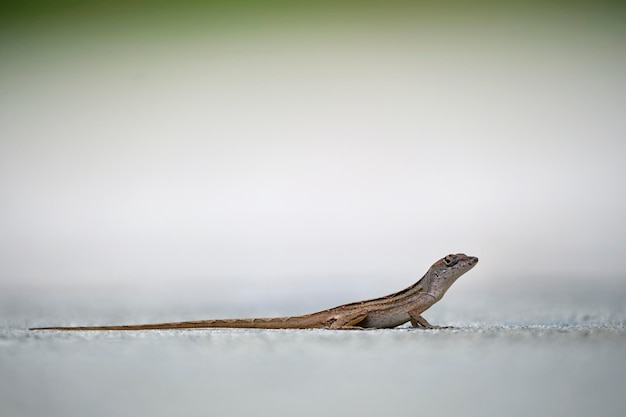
point(449, 260)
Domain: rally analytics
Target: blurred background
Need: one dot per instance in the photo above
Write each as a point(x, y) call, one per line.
point(331, 146)
point(165, 161)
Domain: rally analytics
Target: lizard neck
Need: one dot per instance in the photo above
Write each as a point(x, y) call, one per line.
point(426, 288)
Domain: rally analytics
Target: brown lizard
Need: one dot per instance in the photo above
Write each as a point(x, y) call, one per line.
point(384, 312)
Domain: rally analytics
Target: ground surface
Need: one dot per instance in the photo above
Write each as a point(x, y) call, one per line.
point(511, 358)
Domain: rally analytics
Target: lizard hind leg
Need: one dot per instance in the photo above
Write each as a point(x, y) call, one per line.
point(348, 321)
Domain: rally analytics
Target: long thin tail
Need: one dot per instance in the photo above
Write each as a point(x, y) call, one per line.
point(259, 323)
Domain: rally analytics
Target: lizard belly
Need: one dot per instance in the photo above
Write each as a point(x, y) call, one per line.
point(386, 320)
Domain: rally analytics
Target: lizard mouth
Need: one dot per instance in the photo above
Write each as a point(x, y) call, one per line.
point(472, 260)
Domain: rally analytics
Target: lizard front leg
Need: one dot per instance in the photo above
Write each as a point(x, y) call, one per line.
point(418, 321)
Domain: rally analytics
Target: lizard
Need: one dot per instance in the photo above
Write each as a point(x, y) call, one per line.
point(378, 313)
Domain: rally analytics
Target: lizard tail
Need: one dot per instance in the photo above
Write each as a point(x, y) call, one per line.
point(259, 323)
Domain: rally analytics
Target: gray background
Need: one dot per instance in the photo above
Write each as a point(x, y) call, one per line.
point(270, 143)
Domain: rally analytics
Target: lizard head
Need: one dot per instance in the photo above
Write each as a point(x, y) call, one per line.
point(446, 270)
